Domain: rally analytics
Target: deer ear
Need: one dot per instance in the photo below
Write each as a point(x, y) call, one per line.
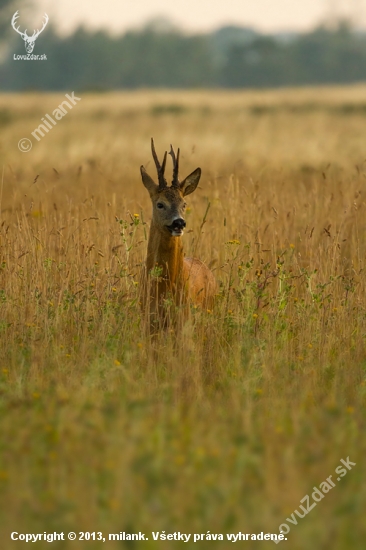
point(148, 181)
point(189, 184)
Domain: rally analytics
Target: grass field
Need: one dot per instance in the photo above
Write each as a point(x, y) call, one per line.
point(228, 426)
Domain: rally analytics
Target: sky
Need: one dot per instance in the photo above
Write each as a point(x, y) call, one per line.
point(198, 15)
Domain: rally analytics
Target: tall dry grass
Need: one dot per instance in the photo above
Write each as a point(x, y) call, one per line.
point(228, 426)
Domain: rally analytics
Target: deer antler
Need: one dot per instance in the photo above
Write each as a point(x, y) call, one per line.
point(160, 168)
point(175, 181)
point(13, 22)
point(38, 32)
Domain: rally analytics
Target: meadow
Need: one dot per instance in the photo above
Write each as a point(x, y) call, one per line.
point(226, 426)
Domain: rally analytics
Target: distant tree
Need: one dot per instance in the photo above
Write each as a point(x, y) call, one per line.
point(163, 60)
point(261, 63)
point(330, 56)
point(225, 38)
point(4, 11)
point(335, 55)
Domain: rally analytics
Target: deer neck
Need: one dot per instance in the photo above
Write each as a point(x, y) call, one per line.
point(166, 253)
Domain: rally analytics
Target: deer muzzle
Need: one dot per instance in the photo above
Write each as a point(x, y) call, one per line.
point(177, 227)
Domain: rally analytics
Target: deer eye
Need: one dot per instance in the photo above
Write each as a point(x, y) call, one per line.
point(160, 205)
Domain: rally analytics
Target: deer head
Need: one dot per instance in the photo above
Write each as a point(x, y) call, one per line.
point(168, 202)
point(29, 40)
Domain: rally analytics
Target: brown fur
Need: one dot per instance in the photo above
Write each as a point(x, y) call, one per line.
point(168, 273)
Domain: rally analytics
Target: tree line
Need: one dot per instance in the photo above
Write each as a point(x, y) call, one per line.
point(162, 56)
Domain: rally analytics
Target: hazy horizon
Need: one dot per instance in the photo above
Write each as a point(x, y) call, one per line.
point(265, 15)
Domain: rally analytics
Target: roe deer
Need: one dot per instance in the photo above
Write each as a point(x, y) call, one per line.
point(169, 275)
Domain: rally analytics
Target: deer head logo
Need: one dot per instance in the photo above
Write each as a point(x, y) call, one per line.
point(28, 40)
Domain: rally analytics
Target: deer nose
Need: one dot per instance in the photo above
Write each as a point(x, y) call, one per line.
point(179, 224)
